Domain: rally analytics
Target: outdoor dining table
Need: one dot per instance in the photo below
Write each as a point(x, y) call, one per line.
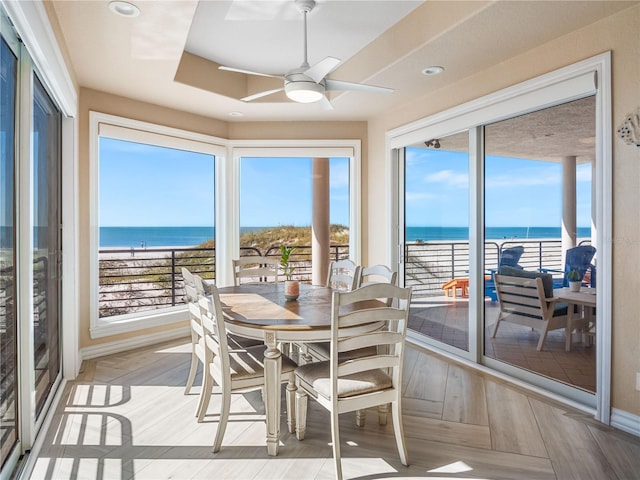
point(260, 311)
point(586, 298)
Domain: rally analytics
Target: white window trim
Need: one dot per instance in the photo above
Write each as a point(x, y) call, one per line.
point(125, 128)
point(227, 202)
point(292, 148)
point(569, 83)
point(32, 24)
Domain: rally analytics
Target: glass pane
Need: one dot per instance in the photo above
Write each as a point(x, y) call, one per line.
point(316, 198)
point(47, 242)
point(437, 238)
point(538, 207)
point(8, 333)
point(157, 215)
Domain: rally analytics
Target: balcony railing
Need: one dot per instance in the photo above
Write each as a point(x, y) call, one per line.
point(428, 265)
point(137, 279)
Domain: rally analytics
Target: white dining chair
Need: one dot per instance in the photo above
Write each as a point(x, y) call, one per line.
point(232, 369)
point(196, 288)
point(343, 275)
point(354, 384)
point(377, 274)
point(256, 269)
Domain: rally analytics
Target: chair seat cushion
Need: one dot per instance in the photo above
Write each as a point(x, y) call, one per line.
point(316, 375)
point(249, 363)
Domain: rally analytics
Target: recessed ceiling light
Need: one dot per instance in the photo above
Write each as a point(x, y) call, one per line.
point(124, 9)
point(236, 114)
point(435, 70)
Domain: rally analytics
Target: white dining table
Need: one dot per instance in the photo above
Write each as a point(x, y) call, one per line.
point(260, 311)
point(585, 298)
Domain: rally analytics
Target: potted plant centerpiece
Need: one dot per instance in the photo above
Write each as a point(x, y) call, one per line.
point(575, 280)
point(291, 287)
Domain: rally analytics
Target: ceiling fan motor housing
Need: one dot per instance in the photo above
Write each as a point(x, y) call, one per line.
point(305, 6)
point(303, 89)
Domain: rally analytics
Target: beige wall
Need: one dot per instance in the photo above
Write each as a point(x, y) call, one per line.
point(618, 33)
point(91, 100)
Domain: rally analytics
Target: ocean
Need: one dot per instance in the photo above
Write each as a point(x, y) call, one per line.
point(127, 237)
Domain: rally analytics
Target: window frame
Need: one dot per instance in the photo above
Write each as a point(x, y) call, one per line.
point(591, 76)
point(227, 201)
point(151, 134)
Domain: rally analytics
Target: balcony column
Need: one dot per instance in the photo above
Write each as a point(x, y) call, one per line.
point(320, 238)
point(569, 229)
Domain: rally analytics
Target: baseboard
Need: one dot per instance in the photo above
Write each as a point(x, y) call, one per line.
point(110, 348)
point(625, 421)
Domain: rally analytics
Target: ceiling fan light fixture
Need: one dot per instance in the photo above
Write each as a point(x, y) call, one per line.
point(304, 92)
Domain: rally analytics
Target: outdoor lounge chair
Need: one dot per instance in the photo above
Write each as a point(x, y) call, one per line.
point(576, 259)
point(524, 299)
point(509, 257)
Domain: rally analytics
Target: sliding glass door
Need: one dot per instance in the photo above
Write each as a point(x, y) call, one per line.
point(30, 250)
point(538, 208)
point(436, 230)
point(8, 319)
point(519, 192)
point(47, 252)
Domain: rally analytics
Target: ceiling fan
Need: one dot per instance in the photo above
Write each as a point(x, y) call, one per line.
point(307, 84)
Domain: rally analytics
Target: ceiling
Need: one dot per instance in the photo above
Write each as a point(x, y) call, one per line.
point(169, 54)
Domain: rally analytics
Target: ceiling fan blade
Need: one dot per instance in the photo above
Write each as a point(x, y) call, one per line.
point(325, 103)
point(322, 68)
point(248, 72)
point(360, 87)
point(261, 94)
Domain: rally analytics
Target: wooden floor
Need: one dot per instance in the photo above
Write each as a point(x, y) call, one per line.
point(126, 418)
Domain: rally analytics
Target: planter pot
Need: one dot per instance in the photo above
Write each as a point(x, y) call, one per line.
point(575, 286)
point(291, 289)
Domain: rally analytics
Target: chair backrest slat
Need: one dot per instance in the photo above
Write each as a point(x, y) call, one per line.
point(368, 340)
point(257, 268)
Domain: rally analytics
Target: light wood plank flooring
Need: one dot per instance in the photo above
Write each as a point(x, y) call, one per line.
point(126, 417)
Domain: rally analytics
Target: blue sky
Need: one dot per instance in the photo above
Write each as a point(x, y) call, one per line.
point(519, 193)
point(142, 185)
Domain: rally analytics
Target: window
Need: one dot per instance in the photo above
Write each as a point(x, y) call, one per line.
point(154, 214)
point(314, 202)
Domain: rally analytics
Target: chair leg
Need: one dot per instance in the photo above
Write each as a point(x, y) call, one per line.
point(335, 437)
point(224, 418)
point(383, 410)
point(361, 416)
point(543, 336)
point(205, 396)
point(291, 403)
point(396, 414)
point(192, 370)
point(495, 328)
point(301, 413)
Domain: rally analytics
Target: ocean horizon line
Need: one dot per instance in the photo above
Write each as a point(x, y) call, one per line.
point(135, 237)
